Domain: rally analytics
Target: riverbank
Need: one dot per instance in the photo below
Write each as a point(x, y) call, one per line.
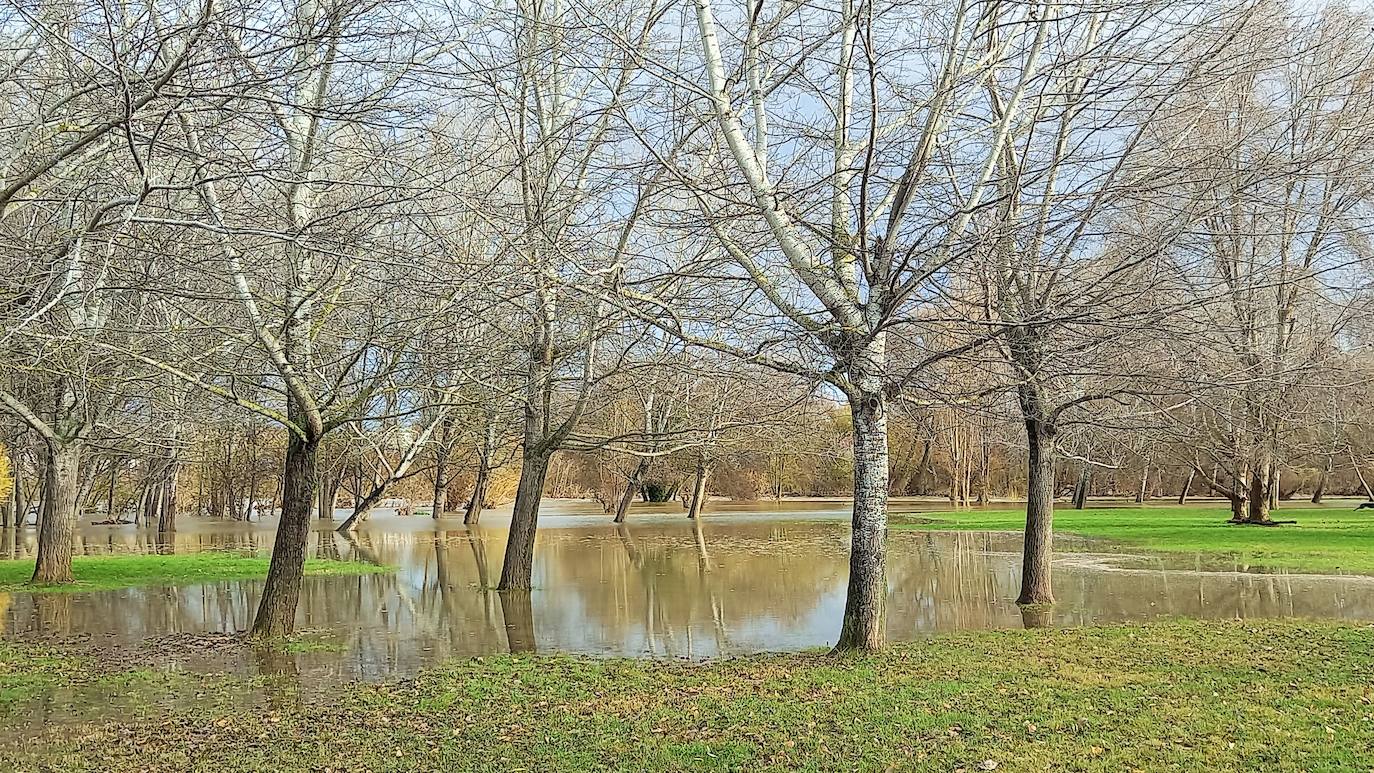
point(128, 570)
point(1331, 539)
point(1179, 695)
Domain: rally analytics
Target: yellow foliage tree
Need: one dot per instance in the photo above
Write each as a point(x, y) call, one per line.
point(6, 482)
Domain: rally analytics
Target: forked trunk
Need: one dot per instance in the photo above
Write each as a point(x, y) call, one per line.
point(1037, 554)
point(517, 570)
point(1238, 508)
point(167, 516)
point(697, 504)
point(473, 512)
point(276, 615)
point(863, 627)
point(58, 519)
point(632, 487)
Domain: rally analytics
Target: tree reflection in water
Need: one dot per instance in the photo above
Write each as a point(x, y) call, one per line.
point(663, 585)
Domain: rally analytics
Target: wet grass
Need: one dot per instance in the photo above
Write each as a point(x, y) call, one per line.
point(93, 573)
point(1177, 695)
point(1333, 538)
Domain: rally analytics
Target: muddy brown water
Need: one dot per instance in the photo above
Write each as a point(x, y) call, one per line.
point(747, 578)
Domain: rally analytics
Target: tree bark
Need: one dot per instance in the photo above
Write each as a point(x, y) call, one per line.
point(439, 500)
point(632, 486)
point(21, 503)
point(517, 569)
point(1260, 479)
point(1320, 491)
point(863, 627)
point(1080, 491)
point(1038, 549)
point(699, 494)
point(167, 517)
point(363, 509)
point(58, 519)
point(1187, 485)
point(473, 512)
point(276, 616)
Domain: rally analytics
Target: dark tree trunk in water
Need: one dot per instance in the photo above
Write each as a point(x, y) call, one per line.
point(1038, 550)
point(699, 496)
point(328, 493)
point(1187, 485)
point(167, 516)
point(439, 500)
point(363, 509)
point(518, 568)
point(863, 627)
point(58, 519)
point(276, 615)
point(632, 486)
point(473, 512)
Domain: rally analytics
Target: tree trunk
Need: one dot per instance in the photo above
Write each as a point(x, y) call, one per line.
point(1260, 479)
point(1143, 492)
point(21, 503)
point(167, 518)
point(473, 512)
point(517, 569)
point(632, 486)
point(863, 627)
point(1187, 485)
point(699, 494)
point(1038, 549)
point(1080, 491)
point(276, 615)
point(109, 495)
point(58, 519)
point(439, 500)
point(1364, 483)
point(363, 509)
point(329, 496)
point(1321, 483)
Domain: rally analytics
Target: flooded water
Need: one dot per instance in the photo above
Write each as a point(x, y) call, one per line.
point(744, 579)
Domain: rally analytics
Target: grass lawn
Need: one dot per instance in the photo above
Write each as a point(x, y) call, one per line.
point(1324, 539)
point(129, 570)
point(1177, 695)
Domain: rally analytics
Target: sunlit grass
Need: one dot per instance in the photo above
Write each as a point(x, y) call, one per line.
point(1331, 538)
point(127, 570)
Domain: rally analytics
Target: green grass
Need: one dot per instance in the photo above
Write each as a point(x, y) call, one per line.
point(1176, 695)
point(1324, 539)
point(94, 573)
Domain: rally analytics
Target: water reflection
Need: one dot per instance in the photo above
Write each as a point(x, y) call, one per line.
point(655, 586)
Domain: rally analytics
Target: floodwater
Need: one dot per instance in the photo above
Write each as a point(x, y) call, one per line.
point(747, 578)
